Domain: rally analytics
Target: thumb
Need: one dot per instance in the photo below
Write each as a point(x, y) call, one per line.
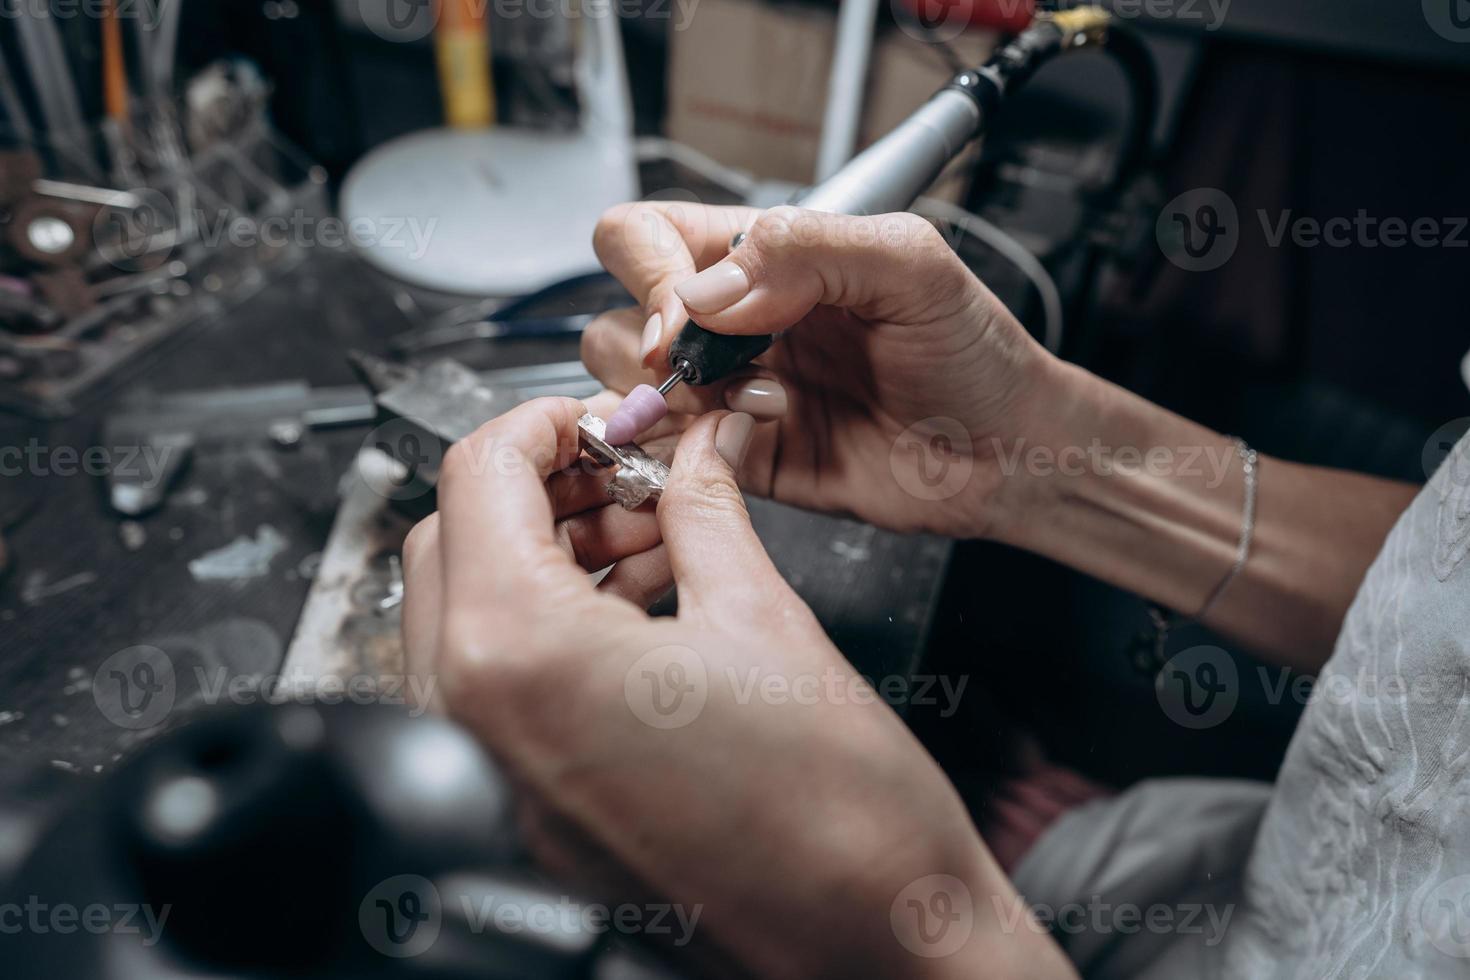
point(716, 557)
point(894, 267)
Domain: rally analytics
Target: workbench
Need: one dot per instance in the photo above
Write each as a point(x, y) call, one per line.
point(86, 584)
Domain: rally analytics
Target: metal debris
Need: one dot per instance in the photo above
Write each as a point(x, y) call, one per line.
point(132, 535)
point(394, 597)
point(78, 681)
point(287, 433)
point(309, 566)
point(36, 587)
point(192, 497)
point(243, 558)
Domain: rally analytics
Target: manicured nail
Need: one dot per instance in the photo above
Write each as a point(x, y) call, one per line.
point(651, 332)
point(732, 438)
point(761, 397)
point(717, 287)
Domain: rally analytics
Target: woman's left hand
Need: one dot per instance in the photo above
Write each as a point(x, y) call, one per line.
point(649, 755)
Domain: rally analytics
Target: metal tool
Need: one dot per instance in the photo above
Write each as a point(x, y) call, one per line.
point(15, 110)
point(105, 251)
point(443, 402)
point(167, 429)
point(45, 59)
point(428, 339)
point(87, 194)
point(890, 174)
point(22, 309)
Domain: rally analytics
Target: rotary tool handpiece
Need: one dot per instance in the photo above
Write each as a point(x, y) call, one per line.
point(699, 356)
point(887, 176)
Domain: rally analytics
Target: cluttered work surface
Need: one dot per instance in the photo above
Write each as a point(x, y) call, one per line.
point(165, 539)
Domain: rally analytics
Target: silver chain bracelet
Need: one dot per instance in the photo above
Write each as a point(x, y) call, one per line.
point(1149, 647)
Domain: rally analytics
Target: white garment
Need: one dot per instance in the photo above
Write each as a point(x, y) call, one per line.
point(1357, 862)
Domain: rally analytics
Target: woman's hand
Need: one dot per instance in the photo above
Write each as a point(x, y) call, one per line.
point(900, 376)
point(904, 393)
point(687, 760)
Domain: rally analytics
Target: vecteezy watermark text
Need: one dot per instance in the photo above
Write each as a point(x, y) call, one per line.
point(402, 916)
point(144, 464)
point(302, 229)
point(1097, 916)
point(668, 687)
point(833, 686)
point(407, 21)
point(125, 919)
point(144, 11)
point(1200, 230)
point(1207, 14)
point(1363, 230)
point(138, 687)
point(1100, 459)
point(1200, 687)
point(509, 914)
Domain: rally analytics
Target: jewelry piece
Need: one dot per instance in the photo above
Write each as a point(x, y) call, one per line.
point(639, 476)
point(1149, 647)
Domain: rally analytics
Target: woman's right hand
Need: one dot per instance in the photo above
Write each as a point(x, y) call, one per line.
point(905, 394)
point(889, 398)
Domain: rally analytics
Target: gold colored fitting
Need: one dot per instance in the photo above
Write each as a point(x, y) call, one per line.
point(1080, 25)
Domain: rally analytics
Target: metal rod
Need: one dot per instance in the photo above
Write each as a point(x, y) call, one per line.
point(681, 371)
point(105, 196)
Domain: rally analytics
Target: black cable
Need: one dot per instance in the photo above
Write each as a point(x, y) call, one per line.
point(1132, 56)
point(1012, 64)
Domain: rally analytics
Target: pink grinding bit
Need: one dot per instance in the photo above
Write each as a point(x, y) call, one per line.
point(639, 412)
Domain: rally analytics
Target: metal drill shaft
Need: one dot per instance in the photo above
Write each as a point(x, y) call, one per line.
point(681, 372)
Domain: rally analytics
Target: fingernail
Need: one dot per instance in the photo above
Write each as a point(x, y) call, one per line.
point(651, 332)
point(717, 287)
point(762, 397)
point(732, 437)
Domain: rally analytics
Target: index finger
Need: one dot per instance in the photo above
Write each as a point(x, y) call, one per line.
point(496, 520)
point(652, 246)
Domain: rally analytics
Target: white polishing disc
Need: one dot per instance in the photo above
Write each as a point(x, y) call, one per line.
point(487, 212)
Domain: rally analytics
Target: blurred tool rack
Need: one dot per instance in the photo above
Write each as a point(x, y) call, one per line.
point(95, 271)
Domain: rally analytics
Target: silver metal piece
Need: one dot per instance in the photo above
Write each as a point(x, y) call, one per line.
point(105, 196)
point(394, 596)
point(287, 433)
point(49, 234)
point(639, 476)
point(44, 56)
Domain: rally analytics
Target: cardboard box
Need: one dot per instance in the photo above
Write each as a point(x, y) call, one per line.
point(748, 84)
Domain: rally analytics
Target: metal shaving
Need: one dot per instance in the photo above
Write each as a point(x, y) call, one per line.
point(242, 558)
